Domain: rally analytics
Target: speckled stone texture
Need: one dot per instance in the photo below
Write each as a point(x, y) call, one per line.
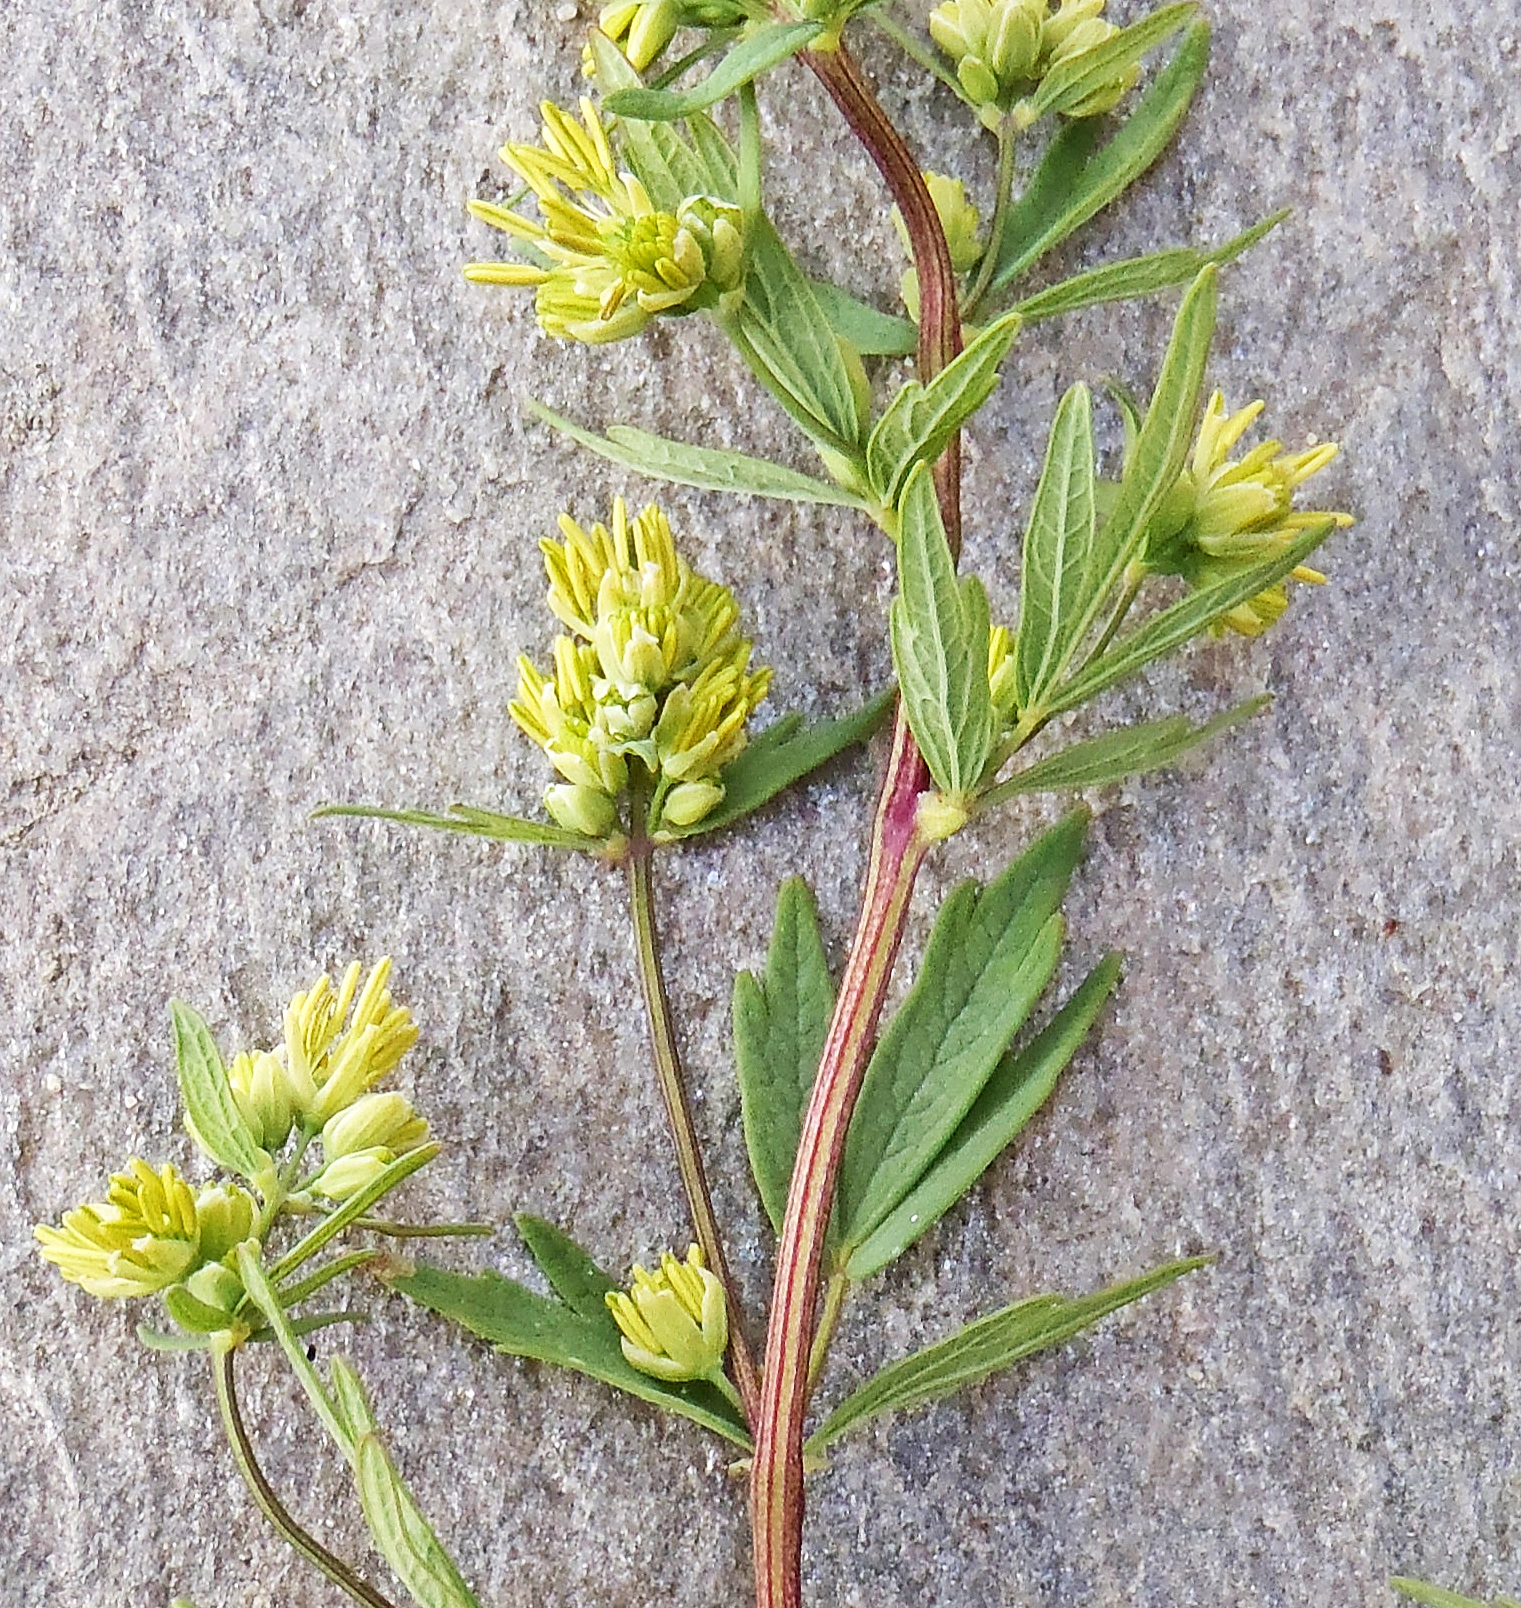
point(270, 508)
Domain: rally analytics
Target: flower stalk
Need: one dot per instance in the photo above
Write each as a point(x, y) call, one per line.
point(694, 1179)
point(269, 1503)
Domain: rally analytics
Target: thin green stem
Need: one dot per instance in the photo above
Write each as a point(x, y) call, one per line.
point(269, 1503)
point(678, 1109)
point(1003, 196)
point(1135, 579)
point(835, 1292)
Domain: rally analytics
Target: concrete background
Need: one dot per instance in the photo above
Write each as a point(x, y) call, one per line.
point(269, 513)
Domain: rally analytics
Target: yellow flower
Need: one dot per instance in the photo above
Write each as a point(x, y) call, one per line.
point(361, 1141)
point(614, 260)
point(330, 1066)
point(1225, 514)
point(654, 675)
point(674, 1322)
point(143, 1238)
point(643, 28)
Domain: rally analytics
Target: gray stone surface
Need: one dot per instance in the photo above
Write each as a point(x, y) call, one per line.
point(269, 512)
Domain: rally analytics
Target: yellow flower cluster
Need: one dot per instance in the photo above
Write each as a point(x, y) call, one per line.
point(654, 675)
point(1224, 514)
point(1003, 48)
point(613, 260)
point(150, 1232)
point(675, 1321)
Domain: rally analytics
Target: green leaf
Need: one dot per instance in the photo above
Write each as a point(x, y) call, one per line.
point(1128, 751)
point(1435, 1597)
point(1185, 619)
point(1061, 567)
point(782, 333)
point(664, 164)
point(1140, 276)
point(780, 1024)
point(989, 957)
point(784, 753)
point(401, 1533)
point(210, 1110)
point(471, 821)
point(872, 333)
point(940, 646)
point(982, 1348)
point(1073, 80)
point(1166, 434)
point(717, 156)
point(524, 1324)
point(769, 45)
point(1074, 181)
point(572, 1274)
point(707, 468)
point(1020, 1085)
point(921, 419)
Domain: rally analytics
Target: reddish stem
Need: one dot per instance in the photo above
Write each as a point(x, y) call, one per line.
point(897, 850)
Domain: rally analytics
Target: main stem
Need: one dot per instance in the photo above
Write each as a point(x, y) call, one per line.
point(897, 850)
point(270, 1504)
point(678, 1109)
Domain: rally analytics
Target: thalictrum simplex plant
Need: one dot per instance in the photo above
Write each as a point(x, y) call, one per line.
point(648, 201)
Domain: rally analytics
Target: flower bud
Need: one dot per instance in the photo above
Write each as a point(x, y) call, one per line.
point(582, 809)
point(226, 1217)
point(674, 1322)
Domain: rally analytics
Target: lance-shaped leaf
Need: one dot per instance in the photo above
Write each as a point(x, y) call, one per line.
point(982, 1348)
point(1077, 178)
point(940, 646)
point(780, 1023)
point(784, 753)
point(1140, 276)
point(707, 468)
point(753, 55)
point(1020, 1085)
point(1185, 619)
point(921, 419)
point(990, 955)
point(1113, 755)
point(211, 1113)
point(871, 332)
point(783, 335)
point(717, 156)
point(668, 168)
point(1160, 449)
point(1071, 81)
point(398, 1527)
point(524, 1324)
point(1062, 566)
point(572, 1274)
point(1434, 1596)
point(472, 822)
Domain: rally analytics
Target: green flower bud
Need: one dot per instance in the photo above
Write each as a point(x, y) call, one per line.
point(995, 46)
point(217, 1285)
point(582, 809)
point(265, 1096)
point(226, 1217)
point(688, 802)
